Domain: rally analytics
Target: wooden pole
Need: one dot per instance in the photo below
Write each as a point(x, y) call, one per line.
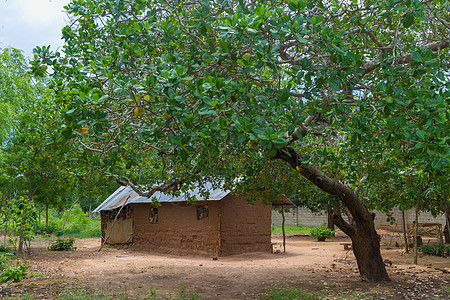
point(112, 225)
point(219, 237)
point(416, 228)
point(282, 228)
point(404, 232)
point(67, 216)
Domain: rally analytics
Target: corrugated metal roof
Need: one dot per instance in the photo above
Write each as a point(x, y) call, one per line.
point(123, 193)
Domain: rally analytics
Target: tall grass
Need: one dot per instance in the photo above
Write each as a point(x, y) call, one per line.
point(78, 224)
point(291, 229)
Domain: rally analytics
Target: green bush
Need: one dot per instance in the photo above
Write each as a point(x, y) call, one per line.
point(322, 232)
point(4, 260)
point(47, 229)
point(437, 250)
point(62, 244)
point(4, 249)
point(14, 273)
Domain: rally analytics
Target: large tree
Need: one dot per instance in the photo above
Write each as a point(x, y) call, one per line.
point(182, 92)
point(15, 88)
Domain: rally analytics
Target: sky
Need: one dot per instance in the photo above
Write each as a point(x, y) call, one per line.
point(25, 24)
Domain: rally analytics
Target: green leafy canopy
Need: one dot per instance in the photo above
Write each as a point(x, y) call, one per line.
point(177, 92)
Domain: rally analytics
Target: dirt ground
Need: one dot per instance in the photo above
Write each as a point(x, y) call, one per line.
point(325, 268)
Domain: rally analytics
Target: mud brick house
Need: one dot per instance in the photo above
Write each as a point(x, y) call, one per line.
point(225, 224)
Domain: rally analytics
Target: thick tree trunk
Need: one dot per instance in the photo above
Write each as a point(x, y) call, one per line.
point(367, 252)
point(447, 225)
point(366, 247)
point(365, 240)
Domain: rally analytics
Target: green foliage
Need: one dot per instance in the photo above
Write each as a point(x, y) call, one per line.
point(62, 244)
point(4, 260)
point(14, 273)
point(16, 88)
point(375, 109)
point(322, 232)
point(79, 224)
point(46, 229)
point(21, 220)
point(5, 249)
point(437, 250)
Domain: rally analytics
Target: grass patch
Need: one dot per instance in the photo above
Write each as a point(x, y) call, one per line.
point(291, 230)
point(289, 294)
point(75, 293)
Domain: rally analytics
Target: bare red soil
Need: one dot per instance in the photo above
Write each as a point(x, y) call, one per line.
point(317, 267)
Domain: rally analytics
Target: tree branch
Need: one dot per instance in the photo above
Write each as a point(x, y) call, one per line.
point(325, 183)
point(302, 130)
point(341, 223)
point(358, 188)
point(407, 58)
point(174, 185)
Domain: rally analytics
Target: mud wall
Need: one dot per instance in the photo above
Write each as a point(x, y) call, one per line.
point(178, 228)
point(244, 227)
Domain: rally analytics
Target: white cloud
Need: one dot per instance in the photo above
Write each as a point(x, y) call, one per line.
point(25, 24)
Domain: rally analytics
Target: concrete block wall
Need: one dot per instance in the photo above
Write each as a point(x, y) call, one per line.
point(303, 216)
point(410, 216)
point(296, 216)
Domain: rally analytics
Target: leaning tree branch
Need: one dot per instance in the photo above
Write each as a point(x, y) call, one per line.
point(341, 223)
point(174, 185)
point(329, 185)
point(407, 58)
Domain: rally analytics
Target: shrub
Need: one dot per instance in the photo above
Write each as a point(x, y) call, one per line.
point(46, 229)
point(14, 273)
point(62, 244)
point(4, 249)
point(322, 232)
point(437, 250)
point(4, 260)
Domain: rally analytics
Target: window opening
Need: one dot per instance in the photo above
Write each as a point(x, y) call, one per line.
point(202, 212)
point(153, 215)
